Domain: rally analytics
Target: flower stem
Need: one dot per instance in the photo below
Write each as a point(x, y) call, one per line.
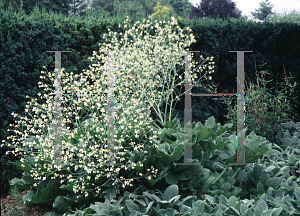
point(236, 172)
point(220, 175)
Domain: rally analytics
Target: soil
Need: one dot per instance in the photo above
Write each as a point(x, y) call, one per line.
point(10, 207)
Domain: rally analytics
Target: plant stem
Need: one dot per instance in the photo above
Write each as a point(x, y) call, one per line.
point(236, 172)
point(220, 175)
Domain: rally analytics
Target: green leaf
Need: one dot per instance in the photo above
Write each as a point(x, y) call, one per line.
point(210, 122)
point(276, 211)
point(62, 204)
point(167, 212)
point(132, 206)
point(163, 152)
point(201, 132)
point(111, 192)
point(170, 192)
point(243, 208)
point(171, 178)
point(42, 196)
point(253, 141)
point(222, 199)
point(297, 194)
point(260, 208)
point(20, 183)
point(252, 157)
point(68, 187)
point(149, 206)
point(152, 197)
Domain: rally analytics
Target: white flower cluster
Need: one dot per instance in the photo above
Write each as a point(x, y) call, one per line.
point(137, 78)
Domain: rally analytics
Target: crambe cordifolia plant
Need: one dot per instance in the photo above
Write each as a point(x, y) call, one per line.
point(142, 65)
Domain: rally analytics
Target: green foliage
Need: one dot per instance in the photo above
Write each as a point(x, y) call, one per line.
point(215, 37)
point(264, 187)
point(23, 54)
point(216, 8)
point(210, 144)
point(76, 142)
point(182, 8)
point(133, 8)
point(104, 7)
point(29, 5)
point(264, 11)
point(288, 17)
point(291, 136)
point(270, 187)
point(79, 7)
point(265, 112)
point(160, 11)
point(56, 6)
point(239, 15)
point(140, 8)
point(17, 210)
point(13, 3)
point(8, 171)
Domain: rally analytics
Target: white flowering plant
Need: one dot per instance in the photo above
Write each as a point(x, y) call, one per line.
point(142, 65)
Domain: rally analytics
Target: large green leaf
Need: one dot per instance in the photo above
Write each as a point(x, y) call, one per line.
point(170, 192)
point(42, 196)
